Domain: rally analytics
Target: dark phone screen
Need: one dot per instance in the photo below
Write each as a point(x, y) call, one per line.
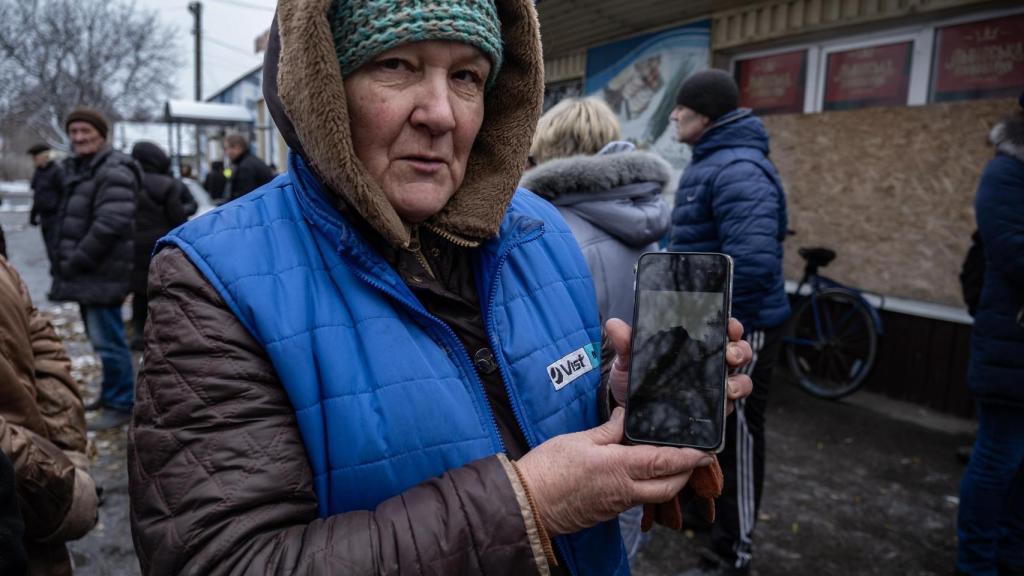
point(677, 373)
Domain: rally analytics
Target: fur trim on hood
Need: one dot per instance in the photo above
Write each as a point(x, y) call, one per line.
point(594, 174)
point(1008, 136)
point(304, 92)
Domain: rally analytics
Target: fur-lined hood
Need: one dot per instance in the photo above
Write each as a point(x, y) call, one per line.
point(620, 194)
point(302, 85)
point(1008, 136)
point(590, 176)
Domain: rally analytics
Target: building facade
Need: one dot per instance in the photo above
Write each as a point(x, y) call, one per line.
point(878, 112)
point(267, 142)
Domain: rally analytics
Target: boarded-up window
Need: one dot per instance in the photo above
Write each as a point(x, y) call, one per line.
point(979, 60)
point(773, 84)
point(873, 76)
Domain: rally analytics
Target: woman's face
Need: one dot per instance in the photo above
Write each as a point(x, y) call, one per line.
point(415, 111)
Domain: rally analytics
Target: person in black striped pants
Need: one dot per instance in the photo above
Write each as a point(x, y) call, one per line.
point(731, 200)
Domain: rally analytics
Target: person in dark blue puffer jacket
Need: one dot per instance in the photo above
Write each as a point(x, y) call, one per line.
point(990, 525)
point(731, 200)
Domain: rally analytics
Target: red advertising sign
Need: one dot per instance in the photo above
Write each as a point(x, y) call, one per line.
point(875, 76)
point(773, 84)
point(979, 59)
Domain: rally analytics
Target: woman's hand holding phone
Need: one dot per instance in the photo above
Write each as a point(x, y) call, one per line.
point(738, 354)
point(578, 480)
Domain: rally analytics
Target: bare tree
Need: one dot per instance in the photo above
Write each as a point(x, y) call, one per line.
point(58, 54)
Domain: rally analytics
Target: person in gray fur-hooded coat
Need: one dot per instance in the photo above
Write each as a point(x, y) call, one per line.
point(613, 203)
point(611, 197)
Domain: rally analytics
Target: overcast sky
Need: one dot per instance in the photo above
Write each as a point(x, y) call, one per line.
point(230, 28)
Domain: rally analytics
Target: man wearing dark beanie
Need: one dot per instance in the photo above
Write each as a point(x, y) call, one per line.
point(46, 192)
point(731, 200)
point(94, 253)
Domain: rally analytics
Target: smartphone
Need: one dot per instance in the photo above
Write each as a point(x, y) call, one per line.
point(677, 374)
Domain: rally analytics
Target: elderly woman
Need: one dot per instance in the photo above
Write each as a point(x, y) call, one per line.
point(349, 370)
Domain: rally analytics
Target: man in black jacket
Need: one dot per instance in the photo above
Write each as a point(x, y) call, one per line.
point(95, 253)
point(46, 193)
point(247, 171)
point(215, 181)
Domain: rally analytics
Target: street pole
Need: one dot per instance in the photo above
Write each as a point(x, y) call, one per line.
point(196, 8)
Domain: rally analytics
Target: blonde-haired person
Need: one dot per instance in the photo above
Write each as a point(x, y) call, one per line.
point(610, 194)
point(574, 126)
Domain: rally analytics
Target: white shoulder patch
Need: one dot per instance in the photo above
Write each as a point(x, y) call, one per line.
point(573, 365)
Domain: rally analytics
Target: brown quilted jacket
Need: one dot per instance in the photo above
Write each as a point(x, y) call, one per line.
point(42, 430)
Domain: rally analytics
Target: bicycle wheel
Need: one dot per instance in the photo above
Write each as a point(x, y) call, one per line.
point(831, 343)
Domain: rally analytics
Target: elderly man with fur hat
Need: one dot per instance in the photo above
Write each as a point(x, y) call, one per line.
point(94, 253)
point(349, 369)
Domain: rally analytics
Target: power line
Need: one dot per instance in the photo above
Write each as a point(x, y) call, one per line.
point(228, 46)
point(244, 5)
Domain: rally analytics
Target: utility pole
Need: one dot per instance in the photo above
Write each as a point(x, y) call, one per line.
point(196, 8)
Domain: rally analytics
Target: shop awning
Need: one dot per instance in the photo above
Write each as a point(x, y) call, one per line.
point(570, 25)
point(206, 113)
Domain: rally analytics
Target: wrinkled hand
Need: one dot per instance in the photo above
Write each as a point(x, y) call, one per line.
point(578, 480)
point(737, 355)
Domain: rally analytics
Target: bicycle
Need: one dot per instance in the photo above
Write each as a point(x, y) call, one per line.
point(831, 339)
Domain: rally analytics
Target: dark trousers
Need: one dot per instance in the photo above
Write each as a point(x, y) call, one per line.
point(990, 522)
point(49, 226)
point(742, 460)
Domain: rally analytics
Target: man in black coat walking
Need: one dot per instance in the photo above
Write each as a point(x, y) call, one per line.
point(46, 193)
point(247, 171)
point(95, 253)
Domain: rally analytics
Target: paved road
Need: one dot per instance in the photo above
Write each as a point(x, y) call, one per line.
point(864, 487)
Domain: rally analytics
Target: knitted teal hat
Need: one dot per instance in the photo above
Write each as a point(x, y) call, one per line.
point(363, 29)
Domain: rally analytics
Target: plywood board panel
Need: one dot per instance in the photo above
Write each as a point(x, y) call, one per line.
point(890, 189)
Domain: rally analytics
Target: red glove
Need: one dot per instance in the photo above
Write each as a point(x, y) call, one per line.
point(704, 486)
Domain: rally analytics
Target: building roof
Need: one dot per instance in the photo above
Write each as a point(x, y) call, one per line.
point(257, 70)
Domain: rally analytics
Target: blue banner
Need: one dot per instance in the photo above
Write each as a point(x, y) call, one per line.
point(639, 78)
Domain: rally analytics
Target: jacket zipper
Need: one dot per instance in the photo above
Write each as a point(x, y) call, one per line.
point(452, 237)
point(416, 248)
point(506, 376)
point(453, 344)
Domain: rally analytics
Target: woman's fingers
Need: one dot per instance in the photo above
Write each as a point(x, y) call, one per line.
point(738, 386)
point(644, 462)
point(658, 490)
point(738, 354)
point(620, 335)
point(735, 330)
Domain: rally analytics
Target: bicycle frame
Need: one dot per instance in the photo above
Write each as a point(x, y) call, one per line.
point(817, 283)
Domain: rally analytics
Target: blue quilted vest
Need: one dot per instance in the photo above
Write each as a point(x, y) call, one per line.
point(385, 394)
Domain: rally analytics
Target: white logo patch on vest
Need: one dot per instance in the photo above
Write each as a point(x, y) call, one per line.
point(573, 365)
